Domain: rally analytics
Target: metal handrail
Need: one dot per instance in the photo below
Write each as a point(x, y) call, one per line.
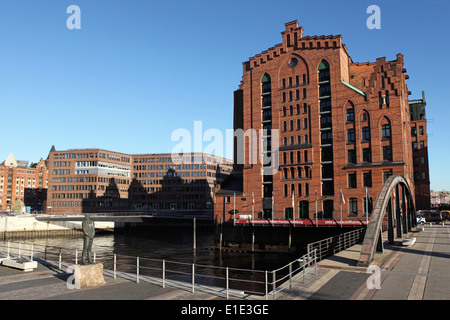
point(330, 246)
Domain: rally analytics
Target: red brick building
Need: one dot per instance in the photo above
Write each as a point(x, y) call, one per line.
point(20, 182)
point(335, 130)
point(420, 153)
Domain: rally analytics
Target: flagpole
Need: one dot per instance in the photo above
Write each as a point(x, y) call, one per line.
point(253, 206)
point(234, 209)
point(293, 209)
point(367, 208)
point(272, 207)
point(316, 207)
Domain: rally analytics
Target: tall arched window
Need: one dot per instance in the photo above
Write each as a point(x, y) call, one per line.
point(386, 139)
point(324, 71)
point(266, 123)
point(386, 131)
point(350, 115)
point(325, 95)
point(266, 83)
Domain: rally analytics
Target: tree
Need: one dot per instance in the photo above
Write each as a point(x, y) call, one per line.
point(18, 207)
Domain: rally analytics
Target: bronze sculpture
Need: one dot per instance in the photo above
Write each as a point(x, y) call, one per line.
point(89, 234)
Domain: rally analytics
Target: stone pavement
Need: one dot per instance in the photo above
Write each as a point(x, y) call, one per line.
point(420, 272)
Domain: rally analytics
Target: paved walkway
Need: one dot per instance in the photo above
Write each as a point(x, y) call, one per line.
point(420, 272)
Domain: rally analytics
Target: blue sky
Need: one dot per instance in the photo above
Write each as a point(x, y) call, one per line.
point(138, 70)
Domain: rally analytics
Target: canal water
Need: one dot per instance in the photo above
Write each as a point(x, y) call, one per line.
point(174, 245)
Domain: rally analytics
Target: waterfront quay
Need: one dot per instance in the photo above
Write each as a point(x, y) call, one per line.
point(417, 272)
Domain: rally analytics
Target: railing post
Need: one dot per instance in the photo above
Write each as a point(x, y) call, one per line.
point(226, 275)
point(320, 251)
point(32, 252)
point(309, 254)
point(76, 256)
point(9, 245)
point(266, 285)
point(95, 256)
point(315, 262)
point(164, 274)
point(304, 268)
point(45, 253)
point(137, 270)
point(20, 249)
point(60, 258)
point(274, 285)
point(290, 276)
point(193, 278)
point(115, 267)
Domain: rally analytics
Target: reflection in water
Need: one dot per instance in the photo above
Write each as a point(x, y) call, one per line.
point(175, 244)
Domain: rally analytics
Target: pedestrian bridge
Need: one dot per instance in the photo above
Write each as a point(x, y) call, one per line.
point(395, 202)
point(134, 217)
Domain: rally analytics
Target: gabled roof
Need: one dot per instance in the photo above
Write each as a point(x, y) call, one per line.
point(353, 88)
point(10, 161)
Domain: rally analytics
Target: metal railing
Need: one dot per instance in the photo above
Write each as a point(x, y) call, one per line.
point(45, 253)
point(222, 281)
point(330, 246)
point(226, 280)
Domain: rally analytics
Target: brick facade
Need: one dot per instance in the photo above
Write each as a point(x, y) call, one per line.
point(343, 126)
point(22, 182)
point(419, 146)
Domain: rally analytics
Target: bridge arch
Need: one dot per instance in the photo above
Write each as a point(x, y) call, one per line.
point(404, 212)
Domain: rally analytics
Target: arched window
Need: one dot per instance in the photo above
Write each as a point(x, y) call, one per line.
point(324, 71)
point(364, 117)
point(350, 115)
point(386, 136)
point(386, 131)
point(365, 134)
point(265, 79)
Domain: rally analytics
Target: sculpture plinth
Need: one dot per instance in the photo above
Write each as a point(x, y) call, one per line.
point(89, 275)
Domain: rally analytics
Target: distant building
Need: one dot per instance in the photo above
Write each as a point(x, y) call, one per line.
point(163, 183)
point(440, 198)
point(23, 184)
point(420, 153)
point(95, 180)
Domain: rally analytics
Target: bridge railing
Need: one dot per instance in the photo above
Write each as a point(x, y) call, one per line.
point(330, 246)
point(149, 213)
point(227, 281)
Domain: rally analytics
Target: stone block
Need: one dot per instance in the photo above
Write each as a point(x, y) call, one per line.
point(89, 275)
point(21, 263)
point(408, 242)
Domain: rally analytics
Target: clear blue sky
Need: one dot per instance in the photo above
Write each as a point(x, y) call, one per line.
point(137, 70)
